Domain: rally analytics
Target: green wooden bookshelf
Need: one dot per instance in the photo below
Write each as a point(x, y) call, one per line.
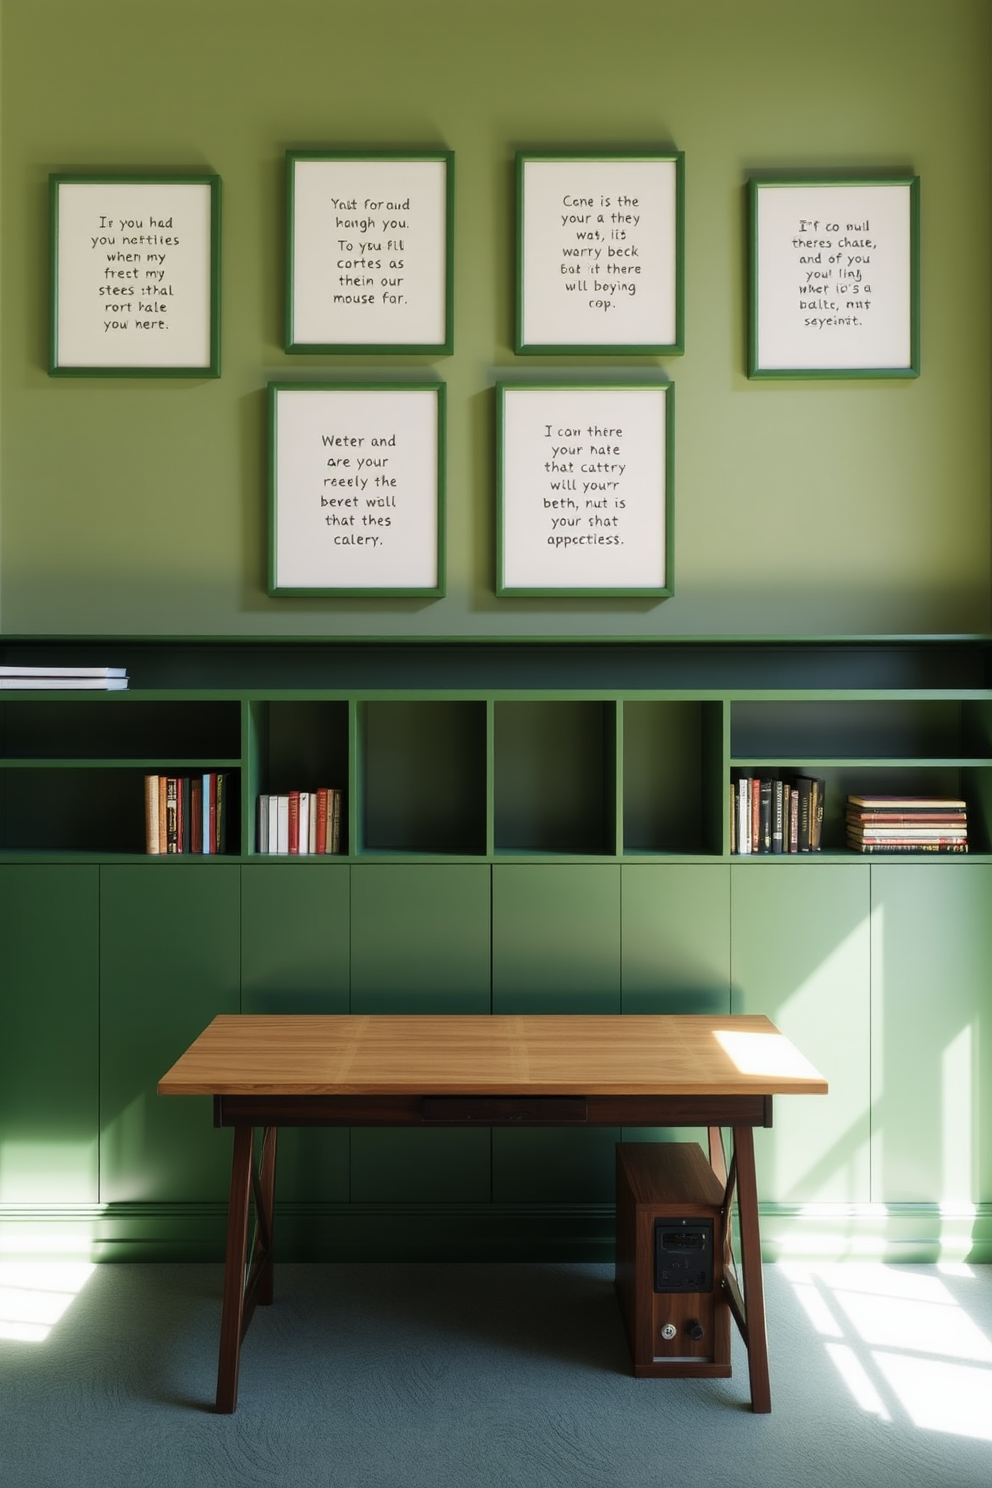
point(526, 829)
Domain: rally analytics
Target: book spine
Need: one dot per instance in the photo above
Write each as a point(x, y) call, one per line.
point(196, 814)
point(163, 784)
point(304, 823)
point(151, 813)
point(171, 814)
point(294, 822)
point(765, 816)
point(220, 834)
point(207, 844)
point(804, 813)
point(320, 844)
point(778, 816)
point(334, 830)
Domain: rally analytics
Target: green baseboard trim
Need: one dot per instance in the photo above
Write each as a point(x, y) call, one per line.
point(921, 1233)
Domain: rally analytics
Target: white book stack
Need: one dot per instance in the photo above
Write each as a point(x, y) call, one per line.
point(63, 679)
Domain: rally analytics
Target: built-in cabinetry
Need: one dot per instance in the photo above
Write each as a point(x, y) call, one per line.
point(526, 829)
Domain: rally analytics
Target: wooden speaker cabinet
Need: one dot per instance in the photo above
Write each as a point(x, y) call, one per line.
point(671, 1230)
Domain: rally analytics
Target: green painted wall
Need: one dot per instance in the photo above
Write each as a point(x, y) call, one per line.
point(138, 506)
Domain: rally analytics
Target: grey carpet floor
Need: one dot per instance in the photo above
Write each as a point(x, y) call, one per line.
point(496, 1376)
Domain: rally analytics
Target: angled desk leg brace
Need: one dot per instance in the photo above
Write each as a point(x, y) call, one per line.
point(247, 1275)
point(747, 1310)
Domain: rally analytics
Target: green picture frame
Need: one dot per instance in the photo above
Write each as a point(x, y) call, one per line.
point(834, 276)
point(370, 252)
point(585, 489)
point(600, 252)
point(357, 489)
point(134, 275)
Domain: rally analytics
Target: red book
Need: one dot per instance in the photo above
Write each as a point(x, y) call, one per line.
point(294, 821)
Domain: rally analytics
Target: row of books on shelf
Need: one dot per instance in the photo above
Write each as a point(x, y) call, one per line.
point(776, 814)
point(300, 822)
point(186, 813)
point(901, 824)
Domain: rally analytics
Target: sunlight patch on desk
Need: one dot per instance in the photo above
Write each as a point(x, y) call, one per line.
point(34, 1295)
point(768, 1054)
point(901, 1341)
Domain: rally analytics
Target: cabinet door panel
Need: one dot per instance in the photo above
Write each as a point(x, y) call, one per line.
point(675, 938)
point(49, 1069)
point(295, 958)
point(170, 962)
point(931, 1041)
point(556, 938)
point(420, 938)
point(420, 944)
point(801, 954)
point(675, 944)
point(295, 938)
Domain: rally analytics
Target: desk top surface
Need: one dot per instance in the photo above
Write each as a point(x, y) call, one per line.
point(463, 1055)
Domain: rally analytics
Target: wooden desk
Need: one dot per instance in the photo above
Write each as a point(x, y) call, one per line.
point(268, 1072)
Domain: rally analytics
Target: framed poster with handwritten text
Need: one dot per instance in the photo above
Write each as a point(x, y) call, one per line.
point(369, 252)
point(356, 482)
point(135, 276)
point(584, 489)
point(834, 278)
point(599, 252)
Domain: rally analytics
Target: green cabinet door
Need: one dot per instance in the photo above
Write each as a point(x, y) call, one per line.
point(800, 953)
point(556, 949)
point(420, 944)
point(675, 951)
point(556, 938)
point(170, 962)
point(295, 958)
point(420, 938)
point(931, 1034)
point(295, 938)
point(675, 938)
point(49, 975)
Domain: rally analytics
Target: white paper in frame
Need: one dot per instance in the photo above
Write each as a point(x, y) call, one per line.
point(584, 498)
point(834, 278)
point(133, 273)
point(356, 490)
point(369, 253)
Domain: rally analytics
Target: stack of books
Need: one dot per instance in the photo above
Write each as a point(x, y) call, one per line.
point(901, 824)
point(300, 822)
point(63, 679)
point(186, 813)
point(771, 815)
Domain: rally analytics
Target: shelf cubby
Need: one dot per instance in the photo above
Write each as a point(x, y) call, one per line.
point(96, 810)
point(297, 744)
point(118, 726)
point(845, 728)
point(672, 757)
point(555, 777)
point(422, 777)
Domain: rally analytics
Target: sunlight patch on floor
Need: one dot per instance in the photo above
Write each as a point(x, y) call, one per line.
point(34, 1295)
point(902, 1342)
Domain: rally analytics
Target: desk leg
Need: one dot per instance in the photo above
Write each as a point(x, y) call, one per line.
point(754, 1292)
point(245, 1284)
